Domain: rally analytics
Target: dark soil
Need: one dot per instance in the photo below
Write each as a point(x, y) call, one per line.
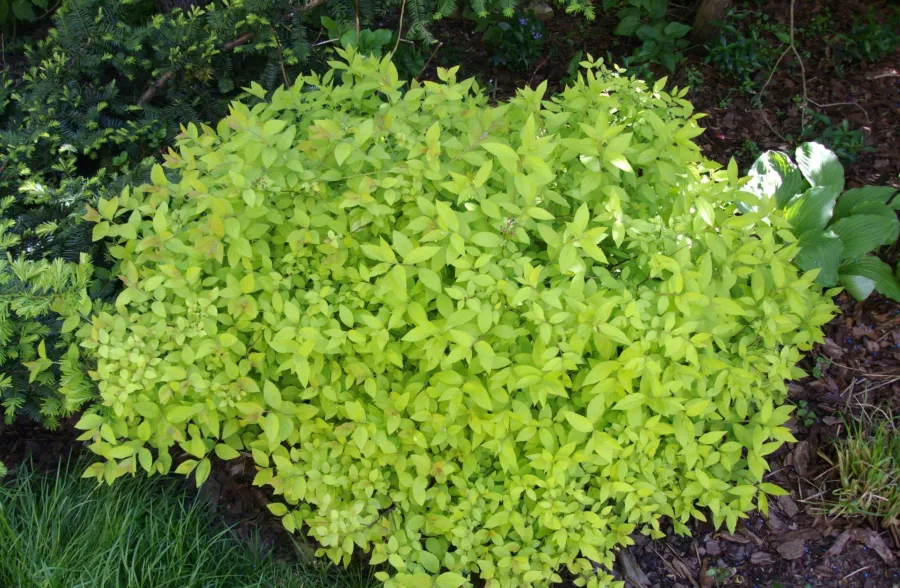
point(867, 95)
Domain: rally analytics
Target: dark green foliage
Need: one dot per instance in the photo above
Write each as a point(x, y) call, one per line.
point(835, 230)
point(37, 348)
point(112, 81)
point(869, 40)
point(747, 48)
point(661, 39)
point(517, 43)
point(846, 142)
point(15, 11)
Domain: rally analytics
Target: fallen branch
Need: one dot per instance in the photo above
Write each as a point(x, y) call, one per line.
point(150, 92)
point(242, 40)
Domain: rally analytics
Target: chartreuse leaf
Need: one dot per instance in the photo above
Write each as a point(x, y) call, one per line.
point(483, 342)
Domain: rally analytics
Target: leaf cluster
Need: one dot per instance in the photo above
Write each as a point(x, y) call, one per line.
point(662, 40)
point(41, 303)
point(837, 230)
point(471, 340)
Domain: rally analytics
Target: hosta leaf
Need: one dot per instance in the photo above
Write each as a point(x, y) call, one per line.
point(863, 233)
point(862, 200)
point(813, 210)
point(821, 250)
point(774, 176)
point(820, 167)
point(861, 277)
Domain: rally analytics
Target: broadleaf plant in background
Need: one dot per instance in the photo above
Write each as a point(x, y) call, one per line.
point(837, 230)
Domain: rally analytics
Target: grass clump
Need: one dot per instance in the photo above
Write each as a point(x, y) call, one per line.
point(57, 530)
point(867, 463)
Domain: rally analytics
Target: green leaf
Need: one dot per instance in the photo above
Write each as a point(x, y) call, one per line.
point(278, 509)
point(202, 472)
point(820, 250)
point(226, 452)
point(420, 254)
point(23, 10)
point(449, 580)
point(430, 562)
point(867, 274)
point(271, 427)
point(862, 200)
point(618, 160)
point(157, 175)
point(774, 176)
point(820, 167)
point(813, 210)
point(179, 414)
point(272, 395)
point(479, 394)
point(628, 25)
point(579, 423)
point(342, 152)
point(89, 421)
point(148, 410)
point(487, 240)
point(863, 233)
point(505, 154)
point(355, 411)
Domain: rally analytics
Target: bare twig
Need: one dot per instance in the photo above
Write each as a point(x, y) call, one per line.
point(150, 92)
point(803, 104)
point(399, 28)
point(242, 40)
point(537, 69)
point(287, 82)
point(889, 74)
point(856, 104)
point(433, 53)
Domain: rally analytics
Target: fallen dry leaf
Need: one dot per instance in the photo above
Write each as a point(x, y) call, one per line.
point(631, 570)
point(735, 538)
point(809, 534)
point(867, 537)
point(792, 549)
point(801, 458)
point(761, 558)
point(705, 580)
point(788, 506)
point(683, 571)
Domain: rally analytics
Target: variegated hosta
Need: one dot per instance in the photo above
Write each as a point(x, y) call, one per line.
point(471, 340)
